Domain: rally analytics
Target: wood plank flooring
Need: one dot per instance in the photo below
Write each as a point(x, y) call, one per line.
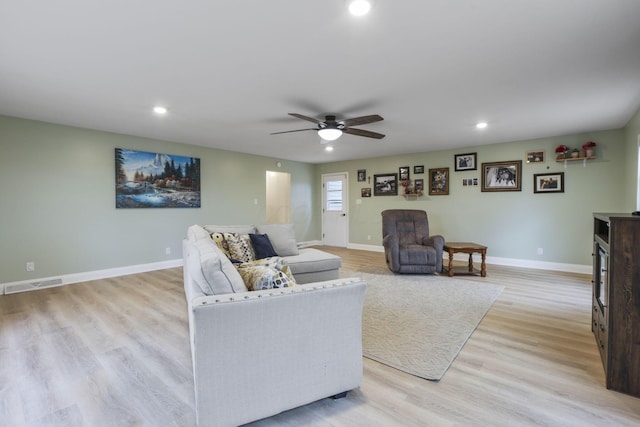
point(115, 352)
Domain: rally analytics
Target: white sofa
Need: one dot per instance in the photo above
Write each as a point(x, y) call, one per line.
point(258, 353)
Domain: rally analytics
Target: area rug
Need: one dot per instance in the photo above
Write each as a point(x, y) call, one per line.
point(418, 324)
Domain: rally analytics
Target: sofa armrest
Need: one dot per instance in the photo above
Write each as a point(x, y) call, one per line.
point(256, 354)
point(391, 246)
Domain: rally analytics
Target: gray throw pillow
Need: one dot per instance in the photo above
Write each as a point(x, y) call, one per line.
point(282, 237)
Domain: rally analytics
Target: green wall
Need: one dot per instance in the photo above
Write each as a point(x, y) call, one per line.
point(58, 209)
point(512, 224)
point(632, 135)
point(58, 200)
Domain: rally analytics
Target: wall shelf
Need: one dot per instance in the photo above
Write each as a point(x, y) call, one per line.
point(412, 196)
point(575, 159)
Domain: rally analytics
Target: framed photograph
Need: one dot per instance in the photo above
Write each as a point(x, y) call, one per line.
point(156, 180)
point(548, 182)
point(418, 184)
point(502, 176)
point(466, 162)
point(418, 169)
point(362, 175)
point(404, 173)
point(438, 181)
point(385, 184)
point(535, 156)
point(365, 192)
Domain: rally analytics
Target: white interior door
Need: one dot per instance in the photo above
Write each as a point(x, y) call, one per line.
point(335, 210)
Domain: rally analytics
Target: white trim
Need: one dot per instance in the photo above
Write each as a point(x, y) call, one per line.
point(68, 279)
point(511, 262)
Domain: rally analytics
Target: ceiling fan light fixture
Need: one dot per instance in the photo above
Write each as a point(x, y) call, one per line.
point(330, 134)
point(359, 7)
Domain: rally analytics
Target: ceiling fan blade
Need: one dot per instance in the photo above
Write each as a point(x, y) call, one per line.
point(289, 131)
point(362, 132)
point(309, 119)
point(357, 121)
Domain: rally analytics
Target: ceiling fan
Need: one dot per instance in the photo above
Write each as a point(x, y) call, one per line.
point(331, 129)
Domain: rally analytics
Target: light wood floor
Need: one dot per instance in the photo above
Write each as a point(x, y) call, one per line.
point(115, 352)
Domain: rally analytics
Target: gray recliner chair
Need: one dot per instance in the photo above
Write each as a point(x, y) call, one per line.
point(407, 245)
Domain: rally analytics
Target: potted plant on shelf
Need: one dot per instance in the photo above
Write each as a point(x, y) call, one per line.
point(588, 148)
point(561, 152)
point(575, 153)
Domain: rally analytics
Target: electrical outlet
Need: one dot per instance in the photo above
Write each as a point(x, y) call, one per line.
point(167, 251)
point(31, 266)
point(540, 251)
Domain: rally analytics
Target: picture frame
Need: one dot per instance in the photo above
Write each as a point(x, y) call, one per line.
point(548, 182)
point(385, 184)
point(418, 169)
point(536, 156)
point(365, 192)
point(502, 176)
point(362, 175)
point(403, 173)
point(439, 181)
point(466, 162)
point(155, 180)
point(418, 184)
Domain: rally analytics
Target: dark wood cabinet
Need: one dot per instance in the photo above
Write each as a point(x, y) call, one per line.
point(616, 298)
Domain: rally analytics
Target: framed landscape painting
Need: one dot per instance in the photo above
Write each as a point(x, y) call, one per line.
point(156, 180)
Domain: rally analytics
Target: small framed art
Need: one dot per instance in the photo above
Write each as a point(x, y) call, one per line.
point(418, 184)
point(535, 156)
point(404, 173)
point(362, 175)
point(418, 169)
point(502, 176)
point(548, 182)
point(365, 192)
point(438, 181)
point(386, 184)
point(466, 162)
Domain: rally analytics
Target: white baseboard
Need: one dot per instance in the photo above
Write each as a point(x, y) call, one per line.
point(511, 262)
point(68, 279)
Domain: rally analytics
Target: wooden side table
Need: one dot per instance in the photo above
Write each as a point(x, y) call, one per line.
point(467, 248)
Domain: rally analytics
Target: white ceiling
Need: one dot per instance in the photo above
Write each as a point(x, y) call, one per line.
point(230, 71)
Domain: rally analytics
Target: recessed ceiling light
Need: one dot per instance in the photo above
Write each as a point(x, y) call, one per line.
point(481, 125)
point(359, 7)
point(329, 148)
point(159, 110)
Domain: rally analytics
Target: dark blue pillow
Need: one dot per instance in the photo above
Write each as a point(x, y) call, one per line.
point(262, 246)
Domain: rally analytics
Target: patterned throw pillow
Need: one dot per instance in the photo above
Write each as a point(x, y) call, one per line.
point(218, 239)
point(266, 273)
point(240, 247)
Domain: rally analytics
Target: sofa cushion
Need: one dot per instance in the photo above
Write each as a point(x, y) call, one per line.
point(219, 274)
point(312, 260)
point(238, 229)
point(262, 246)
point(266, 273)
point(196, 232)
point(283, 238)
point(240, 247)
